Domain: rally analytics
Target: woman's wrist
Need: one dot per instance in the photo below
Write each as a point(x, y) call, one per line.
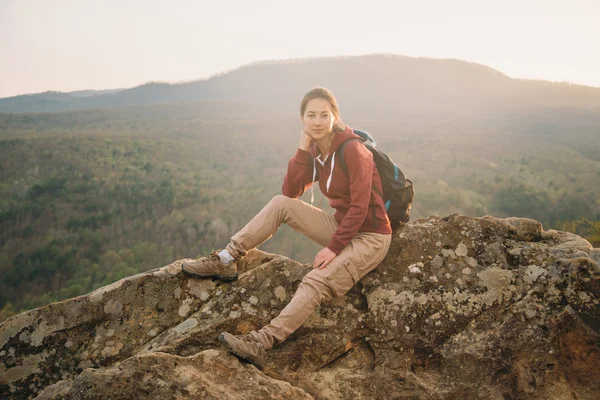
point(305, 141)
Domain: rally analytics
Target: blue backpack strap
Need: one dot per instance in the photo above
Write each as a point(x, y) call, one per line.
point(365, 137)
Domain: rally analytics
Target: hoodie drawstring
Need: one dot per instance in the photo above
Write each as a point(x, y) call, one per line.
point(312, 187)
point(331, 173)
point(312, 192)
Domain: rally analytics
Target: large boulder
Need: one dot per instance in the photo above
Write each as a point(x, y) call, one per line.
point(470, 308)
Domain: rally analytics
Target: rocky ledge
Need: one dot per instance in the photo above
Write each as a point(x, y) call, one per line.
point(461, 308)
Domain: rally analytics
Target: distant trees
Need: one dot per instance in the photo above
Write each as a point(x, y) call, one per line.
point(585, 228)
point(520, 201)
point(90, 197)
point(52, 186)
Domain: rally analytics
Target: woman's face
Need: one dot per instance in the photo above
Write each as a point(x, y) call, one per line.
point(318, 118)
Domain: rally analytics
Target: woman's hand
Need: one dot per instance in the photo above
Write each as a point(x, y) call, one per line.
point(305, 141)
point(323, 258)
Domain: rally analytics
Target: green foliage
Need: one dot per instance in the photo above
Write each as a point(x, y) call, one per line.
point(90, 197)
point(585, 228)
point(51, 187)
point(520, 201)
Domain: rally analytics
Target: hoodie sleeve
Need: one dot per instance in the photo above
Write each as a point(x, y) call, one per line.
point(359, 161)
point(299, 174)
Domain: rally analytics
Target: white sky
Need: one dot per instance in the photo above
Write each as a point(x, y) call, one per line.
point(71, 45)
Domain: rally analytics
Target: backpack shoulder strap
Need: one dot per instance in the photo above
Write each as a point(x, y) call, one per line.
point(340, 153)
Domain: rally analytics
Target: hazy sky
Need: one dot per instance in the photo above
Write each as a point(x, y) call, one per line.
point(70, 45)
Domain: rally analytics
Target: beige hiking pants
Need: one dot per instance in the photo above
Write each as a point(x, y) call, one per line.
point(362, 255)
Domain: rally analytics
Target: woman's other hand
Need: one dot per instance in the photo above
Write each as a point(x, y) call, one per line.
point(323, 258)
point(305, 141)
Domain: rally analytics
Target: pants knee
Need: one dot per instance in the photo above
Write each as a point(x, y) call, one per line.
point(281, 204)
point(318, 285)
point(280, 201)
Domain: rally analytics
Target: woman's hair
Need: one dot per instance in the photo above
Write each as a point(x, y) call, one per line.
point(325, 94)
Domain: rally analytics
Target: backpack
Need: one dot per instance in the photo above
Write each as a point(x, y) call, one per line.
point(398, 192)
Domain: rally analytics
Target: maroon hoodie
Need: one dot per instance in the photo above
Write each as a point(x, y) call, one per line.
point(358, 208)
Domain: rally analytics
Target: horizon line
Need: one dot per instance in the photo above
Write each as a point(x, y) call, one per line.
point(298, 60)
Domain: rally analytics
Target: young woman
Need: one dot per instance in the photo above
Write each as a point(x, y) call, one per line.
point(355, 239)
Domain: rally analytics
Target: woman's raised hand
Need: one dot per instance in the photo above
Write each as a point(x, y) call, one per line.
point(305, 141)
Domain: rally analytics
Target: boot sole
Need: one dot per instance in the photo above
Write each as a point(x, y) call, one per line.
point(252, 361)
point(220, 277)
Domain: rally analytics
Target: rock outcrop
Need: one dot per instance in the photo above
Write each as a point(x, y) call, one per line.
point(461, 308)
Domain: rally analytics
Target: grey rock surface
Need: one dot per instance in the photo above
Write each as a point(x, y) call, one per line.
point(462, 307)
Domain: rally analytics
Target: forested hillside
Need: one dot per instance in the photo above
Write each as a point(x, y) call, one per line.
point(91, 196)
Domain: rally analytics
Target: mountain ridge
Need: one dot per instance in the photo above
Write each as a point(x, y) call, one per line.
point(417, 80)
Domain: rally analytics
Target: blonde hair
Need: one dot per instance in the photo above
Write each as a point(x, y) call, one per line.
point(325, 94)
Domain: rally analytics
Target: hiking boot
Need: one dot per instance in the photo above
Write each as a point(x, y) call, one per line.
point(211, 267)
point(245, 346)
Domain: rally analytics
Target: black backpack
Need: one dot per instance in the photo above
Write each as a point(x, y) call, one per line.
point(398, 192)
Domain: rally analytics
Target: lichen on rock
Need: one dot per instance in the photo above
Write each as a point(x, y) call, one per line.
point(460, 308)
